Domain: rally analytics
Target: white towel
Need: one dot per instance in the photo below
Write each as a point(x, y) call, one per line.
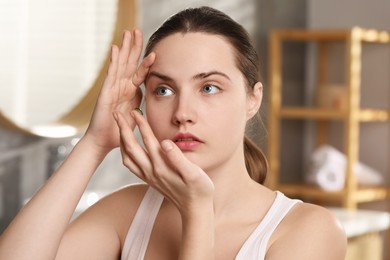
point(327, 170)
point(329, 177)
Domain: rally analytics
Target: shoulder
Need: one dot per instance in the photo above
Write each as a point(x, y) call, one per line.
point(130, 195)
point(124, 202)
point(127, 198)
point(308, 232)
point(99, 232)
point(117, 209)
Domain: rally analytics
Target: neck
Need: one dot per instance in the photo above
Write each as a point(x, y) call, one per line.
point(233, 186)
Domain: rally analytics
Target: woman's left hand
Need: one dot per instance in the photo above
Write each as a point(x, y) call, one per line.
point(164, 167)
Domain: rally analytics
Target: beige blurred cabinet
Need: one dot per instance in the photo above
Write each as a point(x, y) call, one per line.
point(368, 246)
point(351, 115)
point(363, 229)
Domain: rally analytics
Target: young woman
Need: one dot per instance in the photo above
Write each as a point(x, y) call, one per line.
point(203, 197)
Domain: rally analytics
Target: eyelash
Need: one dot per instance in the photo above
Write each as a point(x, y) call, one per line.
point(211, 85)
point(159, 88)
point(156, 91)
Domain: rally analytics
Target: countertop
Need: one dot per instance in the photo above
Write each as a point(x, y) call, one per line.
point(359, 222)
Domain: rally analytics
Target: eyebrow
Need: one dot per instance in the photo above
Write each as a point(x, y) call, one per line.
point(210, 73)
point(158, 75)
point(201, 75)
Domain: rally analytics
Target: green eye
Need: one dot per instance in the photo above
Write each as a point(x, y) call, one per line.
point(210, 89)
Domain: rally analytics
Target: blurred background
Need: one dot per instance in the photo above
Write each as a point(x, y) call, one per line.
point(53, 50)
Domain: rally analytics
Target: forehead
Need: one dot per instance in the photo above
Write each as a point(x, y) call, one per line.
point(194, 53)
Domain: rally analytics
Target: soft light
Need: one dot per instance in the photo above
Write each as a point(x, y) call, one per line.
point(54, 131)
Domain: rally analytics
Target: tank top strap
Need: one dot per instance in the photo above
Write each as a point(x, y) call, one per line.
point(137, 238)
point(256, 245)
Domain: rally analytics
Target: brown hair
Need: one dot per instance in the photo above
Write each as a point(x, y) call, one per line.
point(212, 21)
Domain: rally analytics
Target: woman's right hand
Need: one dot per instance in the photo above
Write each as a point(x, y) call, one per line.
point(120, 91)
point(166, 168)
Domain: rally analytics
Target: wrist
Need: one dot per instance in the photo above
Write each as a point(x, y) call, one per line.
point(199, 210)
point(92, 145)
point(198, 235)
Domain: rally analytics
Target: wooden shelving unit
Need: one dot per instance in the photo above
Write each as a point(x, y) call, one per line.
point(351, 116)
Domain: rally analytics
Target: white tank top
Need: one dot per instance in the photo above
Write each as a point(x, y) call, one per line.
point(254, 248)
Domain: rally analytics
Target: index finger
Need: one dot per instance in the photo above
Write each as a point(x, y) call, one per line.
point(150, 141)
point(135, 53)
point(143, 69)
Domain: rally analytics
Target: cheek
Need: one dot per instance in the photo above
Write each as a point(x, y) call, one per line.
point(235, 122)
point(228, 122)
point(157, 118)
point(236, 110)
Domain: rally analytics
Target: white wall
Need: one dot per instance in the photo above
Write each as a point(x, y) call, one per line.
point(154, 12)
point(347, 13)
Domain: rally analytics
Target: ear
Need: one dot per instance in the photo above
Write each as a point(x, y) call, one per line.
point(254, 100)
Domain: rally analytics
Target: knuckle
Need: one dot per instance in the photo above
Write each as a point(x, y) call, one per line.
point(147, 141)
point(128, 146)
point(135, 77)
point(127, 162)
point(152, 180)
point(129, 149)
point(158, 172)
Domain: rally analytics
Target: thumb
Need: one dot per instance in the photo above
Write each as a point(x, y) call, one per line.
point(187, 170)
point(167, 145)
point(176, 158)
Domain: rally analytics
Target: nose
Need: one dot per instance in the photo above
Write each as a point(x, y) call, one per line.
point(185, 110)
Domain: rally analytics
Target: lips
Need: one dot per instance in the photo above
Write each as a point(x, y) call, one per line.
point(187, 141)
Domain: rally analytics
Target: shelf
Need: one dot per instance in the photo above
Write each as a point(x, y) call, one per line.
point(364, 115)
point(372, 115)
point(351, 114)
point(312, 35)
point(306, 190)
point(310, 113)
point(363, 194)
point(362, 34)
point(374, 36)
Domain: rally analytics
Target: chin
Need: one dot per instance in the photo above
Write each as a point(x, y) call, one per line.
point(195, 159)
point(204, 163)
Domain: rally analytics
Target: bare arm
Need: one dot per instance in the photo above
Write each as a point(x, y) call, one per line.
point(37, 231)
point(198, 239)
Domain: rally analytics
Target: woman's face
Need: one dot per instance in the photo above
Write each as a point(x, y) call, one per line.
point(196, 96)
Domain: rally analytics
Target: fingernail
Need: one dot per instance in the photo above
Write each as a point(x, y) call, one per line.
point(167, 145)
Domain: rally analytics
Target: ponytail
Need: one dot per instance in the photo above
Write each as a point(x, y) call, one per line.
point(255, 161)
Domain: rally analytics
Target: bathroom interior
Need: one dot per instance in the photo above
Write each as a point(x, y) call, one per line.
point(54, 55)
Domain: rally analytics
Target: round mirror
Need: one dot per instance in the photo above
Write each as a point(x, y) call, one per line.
point(54, 56)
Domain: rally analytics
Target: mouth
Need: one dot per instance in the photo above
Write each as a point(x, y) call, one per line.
point(185, 139)
point(187, 142)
